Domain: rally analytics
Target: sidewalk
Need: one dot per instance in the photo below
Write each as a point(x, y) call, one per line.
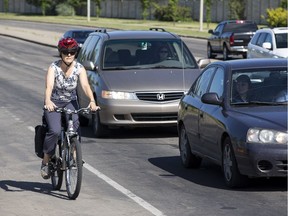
point(47, 38)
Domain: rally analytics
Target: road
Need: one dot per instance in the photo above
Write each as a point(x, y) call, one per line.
point(133, 172)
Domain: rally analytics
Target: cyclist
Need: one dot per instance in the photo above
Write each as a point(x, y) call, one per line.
point(61, 83)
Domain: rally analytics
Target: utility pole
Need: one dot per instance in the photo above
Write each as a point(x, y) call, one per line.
point(201, 14)
point(88, 10)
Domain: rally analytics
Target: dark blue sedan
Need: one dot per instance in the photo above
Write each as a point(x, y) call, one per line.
point(80, 35)
point(235, 114)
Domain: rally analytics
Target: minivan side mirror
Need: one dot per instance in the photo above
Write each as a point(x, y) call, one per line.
point(203, 63)
point(89, 65)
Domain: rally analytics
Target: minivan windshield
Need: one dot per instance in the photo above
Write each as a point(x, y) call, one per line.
point(125, 54)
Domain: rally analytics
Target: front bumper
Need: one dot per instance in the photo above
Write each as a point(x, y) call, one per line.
point(138, 113)
point(263, 160)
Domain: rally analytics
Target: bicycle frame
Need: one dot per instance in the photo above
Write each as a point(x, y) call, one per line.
point(68, 158)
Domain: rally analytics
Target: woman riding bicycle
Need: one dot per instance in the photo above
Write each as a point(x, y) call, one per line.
point(61, 83)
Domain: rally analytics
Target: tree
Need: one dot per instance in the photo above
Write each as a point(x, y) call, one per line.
point(237, 9)
point(98, 7)
point(208, 4)
point(145, 6)
point(45, 5)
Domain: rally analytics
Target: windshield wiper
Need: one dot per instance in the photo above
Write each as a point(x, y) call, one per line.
point(162, 66)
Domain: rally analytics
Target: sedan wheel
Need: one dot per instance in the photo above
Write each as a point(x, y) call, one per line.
point(189, 160)
point(232, 176)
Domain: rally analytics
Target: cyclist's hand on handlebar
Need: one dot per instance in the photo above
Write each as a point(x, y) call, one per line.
point(93, 106)
point(50, 106)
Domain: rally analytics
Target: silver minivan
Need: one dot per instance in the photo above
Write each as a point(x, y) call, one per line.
point(137, 77)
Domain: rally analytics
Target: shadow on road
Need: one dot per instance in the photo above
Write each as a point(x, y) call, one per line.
point(38, 187)
point(210, 175)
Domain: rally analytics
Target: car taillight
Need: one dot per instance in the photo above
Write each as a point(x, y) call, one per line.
point(232, 39)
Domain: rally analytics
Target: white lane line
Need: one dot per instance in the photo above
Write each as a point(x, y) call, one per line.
point(125, 191)
point(120, 188)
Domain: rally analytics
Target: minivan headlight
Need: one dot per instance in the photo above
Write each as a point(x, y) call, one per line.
point(118, 95)
point(257, 135)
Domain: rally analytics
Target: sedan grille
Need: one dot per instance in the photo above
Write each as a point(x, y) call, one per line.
point(159, 96)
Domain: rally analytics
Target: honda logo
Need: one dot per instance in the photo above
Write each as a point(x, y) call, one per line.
point(160, 96)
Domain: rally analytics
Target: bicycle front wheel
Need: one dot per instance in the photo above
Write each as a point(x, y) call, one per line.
point(73, 172)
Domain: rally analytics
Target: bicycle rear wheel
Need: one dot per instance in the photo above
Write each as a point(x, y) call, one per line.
point(56, 171)
point(73, 172)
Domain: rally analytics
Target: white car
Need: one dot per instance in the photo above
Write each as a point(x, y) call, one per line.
point(269, 43)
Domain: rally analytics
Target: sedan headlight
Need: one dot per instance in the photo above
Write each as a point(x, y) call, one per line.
point(118, 95)
point(257, 135)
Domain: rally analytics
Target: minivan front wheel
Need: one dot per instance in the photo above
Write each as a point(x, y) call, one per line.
point(99, 129)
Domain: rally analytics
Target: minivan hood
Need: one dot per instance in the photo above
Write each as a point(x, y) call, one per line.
point(150, 79)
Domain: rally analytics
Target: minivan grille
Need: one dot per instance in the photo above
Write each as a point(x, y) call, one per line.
point(159, 96)
point(154, 117)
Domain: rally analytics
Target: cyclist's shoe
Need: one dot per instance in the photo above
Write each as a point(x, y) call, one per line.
point(45, 171)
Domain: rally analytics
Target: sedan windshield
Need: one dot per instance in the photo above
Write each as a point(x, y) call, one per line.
point(259, 87)
point(119, 54)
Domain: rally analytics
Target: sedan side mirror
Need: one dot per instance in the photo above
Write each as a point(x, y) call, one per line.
point(211, 98)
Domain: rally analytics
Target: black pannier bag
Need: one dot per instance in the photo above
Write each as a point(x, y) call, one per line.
point(40, 133)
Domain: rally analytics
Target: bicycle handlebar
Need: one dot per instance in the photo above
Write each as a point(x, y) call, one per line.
point(85, 110)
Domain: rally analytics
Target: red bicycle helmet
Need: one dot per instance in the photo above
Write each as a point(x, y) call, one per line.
point(67, 45)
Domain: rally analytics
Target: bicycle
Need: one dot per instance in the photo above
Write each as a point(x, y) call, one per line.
point(68, 155)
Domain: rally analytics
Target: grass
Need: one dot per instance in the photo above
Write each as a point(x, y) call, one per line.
point(189, 29)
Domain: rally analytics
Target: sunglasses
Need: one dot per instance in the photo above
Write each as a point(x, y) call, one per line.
point(163, 51)
point(69, 52)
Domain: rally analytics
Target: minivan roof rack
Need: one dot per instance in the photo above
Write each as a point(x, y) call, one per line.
point(157, 29)
point(103, 30)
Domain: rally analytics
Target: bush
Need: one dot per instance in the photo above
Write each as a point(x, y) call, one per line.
point(165, 13)
point(65, 10)
point(277, 17)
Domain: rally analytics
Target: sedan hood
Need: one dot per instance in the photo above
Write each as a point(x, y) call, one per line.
point(263, 116)
point(150, 79)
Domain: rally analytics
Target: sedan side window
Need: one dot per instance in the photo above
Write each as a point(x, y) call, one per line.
point(201, 85)
point(217, 84)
